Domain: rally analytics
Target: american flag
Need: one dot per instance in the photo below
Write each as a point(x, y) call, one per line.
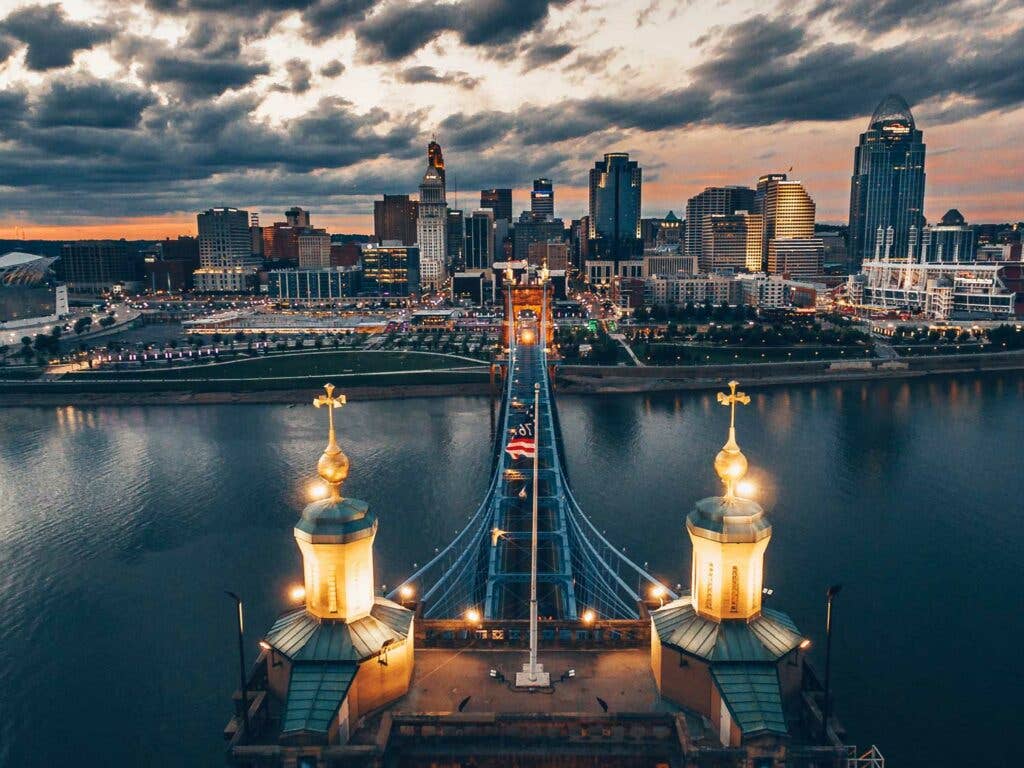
point(518, 447)
point(521, 443)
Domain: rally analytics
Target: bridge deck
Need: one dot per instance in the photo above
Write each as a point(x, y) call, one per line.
point(578, 569)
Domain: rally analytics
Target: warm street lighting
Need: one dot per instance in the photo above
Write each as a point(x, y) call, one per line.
point(805, 644)
point(406, 592)
point(473, 616)
point(316, 490)
point(589, 616)
point(264, 645)
point(658, 593)
point(746, 488)
point(297, 593)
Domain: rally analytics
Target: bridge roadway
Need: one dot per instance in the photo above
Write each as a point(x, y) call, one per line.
point(487, 566)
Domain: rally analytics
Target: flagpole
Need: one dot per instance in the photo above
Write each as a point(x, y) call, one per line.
point(533, 540)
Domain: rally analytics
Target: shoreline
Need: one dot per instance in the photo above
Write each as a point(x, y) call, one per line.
point(570, 380)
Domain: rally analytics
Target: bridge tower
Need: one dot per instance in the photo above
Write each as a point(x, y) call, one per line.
point(536, 296)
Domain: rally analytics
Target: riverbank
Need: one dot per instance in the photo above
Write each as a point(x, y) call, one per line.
point(574, 379)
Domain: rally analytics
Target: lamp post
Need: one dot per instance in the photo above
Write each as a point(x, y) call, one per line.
point(830, 593)
point(241, 661)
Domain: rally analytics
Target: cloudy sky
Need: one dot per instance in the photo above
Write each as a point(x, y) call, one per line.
point(123, 118)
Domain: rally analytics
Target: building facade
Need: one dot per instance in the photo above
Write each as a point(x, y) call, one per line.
point(499, 201)
point(798, 258)
point(723, 243)
point(432, 230)
point(391, 270)
point(787, 212)
point(314, 249)
point(313, 285)
point(530, 230)
point(225, 250)
point(480, 240)
point(614, 219)
point(394, 218)
point(542, 199)
point(887, 186)
point(97, 266)
point(713, 200)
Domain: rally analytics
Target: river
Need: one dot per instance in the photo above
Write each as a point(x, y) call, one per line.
point(121, 527)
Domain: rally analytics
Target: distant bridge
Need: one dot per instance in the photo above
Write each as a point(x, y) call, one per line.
point(487, 566)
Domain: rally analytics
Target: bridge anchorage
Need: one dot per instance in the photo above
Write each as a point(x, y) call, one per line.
point(486, 570)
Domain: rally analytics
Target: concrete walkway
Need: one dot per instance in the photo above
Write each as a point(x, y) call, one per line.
point(621, 338)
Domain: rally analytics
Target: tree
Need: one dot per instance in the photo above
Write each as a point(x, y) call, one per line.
point(82, 324)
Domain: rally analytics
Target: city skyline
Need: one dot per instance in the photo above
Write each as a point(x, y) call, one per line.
point(114, 132)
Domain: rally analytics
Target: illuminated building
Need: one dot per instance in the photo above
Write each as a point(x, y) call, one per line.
point(887, 186)
point(667, 262)
point(796, 257)
point(542, 199)
point(480, 240)
point(314, 285)
point(940, 290)
point(432, 229)
point(670, 231)
point(713, 200)
point(345, 652)
point(391, 269)
point(435, 159)
point(614, 220)
point(29, 292)
point(499, 201)
point(950, 241)
point(787, 211)
point(456, 239)
point(225, 251)
point(530, 230)
point(723, 243)
point(394, 218)
point(717, 651)
point(314, 249)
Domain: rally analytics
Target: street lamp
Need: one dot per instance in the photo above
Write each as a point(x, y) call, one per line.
point(241, 661)
point(830, 593)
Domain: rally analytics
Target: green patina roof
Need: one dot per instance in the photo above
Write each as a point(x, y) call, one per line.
point(303, 637)
point(752, 694)
point(730, 520)
point(671, 216)
point(315, 694)
point(767, 637)
point(337, 520)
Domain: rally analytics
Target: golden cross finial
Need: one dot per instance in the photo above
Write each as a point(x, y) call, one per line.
point(730, 463)
point(333, 464)
point(731, 399)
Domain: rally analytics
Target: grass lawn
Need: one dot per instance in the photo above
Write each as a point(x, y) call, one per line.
point(680, 354)
point(298, 364)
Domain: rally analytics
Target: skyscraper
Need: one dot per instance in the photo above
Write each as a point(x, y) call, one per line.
point(724, 243)
point(480, 239)
point(887, 187)
point(615, 207)
point(499, 201)
point(787, 210)
point(297, 217)
point(432, 229)
point(542, 199)
point(435, 159)
point(225, 247)
point(394, 218)
point(721, 200)
point(456, 240)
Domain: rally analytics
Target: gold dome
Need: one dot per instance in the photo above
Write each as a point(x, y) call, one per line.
point(333, 464)
point(730, 463)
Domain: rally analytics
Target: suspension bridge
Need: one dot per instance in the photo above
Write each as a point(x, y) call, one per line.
point(487, 567)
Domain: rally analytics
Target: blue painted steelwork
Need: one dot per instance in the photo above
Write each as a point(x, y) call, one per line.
point(486, 567)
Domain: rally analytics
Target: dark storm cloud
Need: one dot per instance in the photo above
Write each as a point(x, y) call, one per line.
point(425, 74)
point(401, 28)
point(92, 103)
point(879, 16)
point(13, 105)
point(327, 18)
point(198, 77)
point(299, 75)
point(332, 68)
point(544, 54)
point(52, 39)
point(7, 46)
